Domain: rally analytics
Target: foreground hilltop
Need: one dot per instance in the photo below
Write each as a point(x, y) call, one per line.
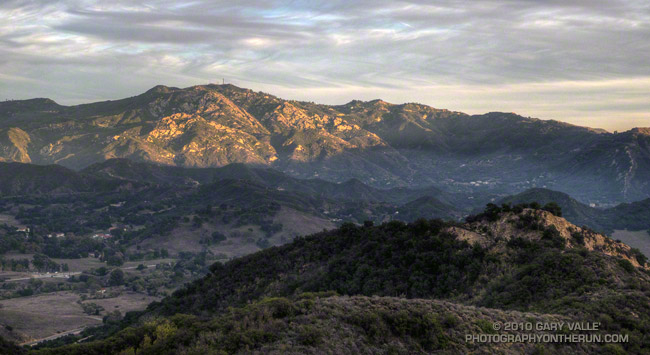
point(631, 216)
point(404, 288)
point(377, 142)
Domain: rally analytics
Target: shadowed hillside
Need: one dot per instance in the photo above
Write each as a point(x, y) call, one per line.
point(507, 260)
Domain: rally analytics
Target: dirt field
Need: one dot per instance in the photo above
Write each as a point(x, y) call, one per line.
point(74, 265)
point(10, 220)
point(80, 264)
point(44, 315)
point(296, 223)
point(13, 256)
point(41, 316)
point(13, 274)
point(635, 239)
point(126, 302)
point(183, 238)
point(241, 240)
point(133, 264)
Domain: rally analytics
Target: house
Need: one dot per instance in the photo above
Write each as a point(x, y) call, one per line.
point(24, 230)
point(102, 236)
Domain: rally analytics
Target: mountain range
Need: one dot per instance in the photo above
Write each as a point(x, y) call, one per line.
point(247, 186)
point(378, 143)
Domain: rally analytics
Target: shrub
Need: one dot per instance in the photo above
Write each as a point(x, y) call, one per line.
point(578, 237)
point(553, 238)
point(309, 335)
point(639, 256)
point(626, 265)
point(554, 208)
point(485, 326)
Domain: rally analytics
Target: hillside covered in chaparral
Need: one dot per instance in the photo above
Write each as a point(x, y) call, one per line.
point(401, 288)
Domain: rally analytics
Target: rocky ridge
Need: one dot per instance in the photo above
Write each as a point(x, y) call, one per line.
point(381, 144)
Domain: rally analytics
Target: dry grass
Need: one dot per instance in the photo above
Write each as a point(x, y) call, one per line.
point(80, 264)
point(241, 239)
point(183, 238)
point(126, 302)
point(134, 264)
point(296, 223)
point(16, 256)
point(44, 315)
point(10, 220)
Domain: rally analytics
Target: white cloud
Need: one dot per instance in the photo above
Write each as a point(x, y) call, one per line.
point(575, 60)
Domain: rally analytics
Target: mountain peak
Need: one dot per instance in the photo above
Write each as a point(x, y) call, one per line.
point(43, 101)
point(538, 225)
point(641, 131)
point(35, 101)
point(29, 105)
point(160, 89)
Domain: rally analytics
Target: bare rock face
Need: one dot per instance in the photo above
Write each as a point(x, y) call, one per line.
point(14, 145)
point(201, 126)
point(531, 225)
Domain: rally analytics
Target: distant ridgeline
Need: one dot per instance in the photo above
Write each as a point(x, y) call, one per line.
point(633, 216)
point(402, 288)
point(61, 195)
point(379, 143)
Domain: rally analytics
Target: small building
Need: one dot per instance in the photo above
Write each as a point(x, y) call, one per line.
point(24, 230)
point(102, 236)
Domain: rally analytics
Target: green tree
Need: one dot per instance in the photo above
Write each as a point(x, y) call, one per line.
point(554, 208)
point(218, 237)
point(115, 260)
point(116, 278)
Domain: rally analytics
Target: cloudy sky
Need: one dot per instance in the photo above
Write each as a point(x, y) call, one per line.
point(582, 61)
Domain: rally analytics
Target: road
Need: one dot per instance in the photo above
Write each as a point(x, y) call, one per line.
point(55, 336)
point(65, 275)
point(135, 267)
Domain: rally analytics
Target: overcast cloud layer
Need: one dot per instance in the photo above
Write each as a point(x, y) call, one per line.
point(581, 61)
